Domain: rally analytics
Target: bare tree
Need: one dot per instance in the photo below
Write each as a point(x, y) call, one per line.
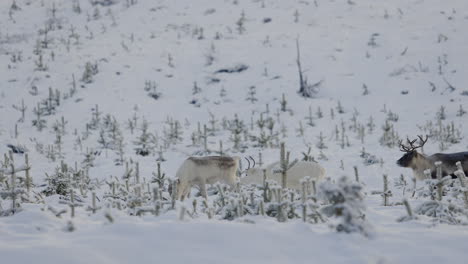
point(305, 89)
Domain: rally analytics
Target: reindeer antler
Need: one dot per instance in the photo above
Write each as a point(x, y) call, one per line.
point(253, 161)
point(410, 146)
point(248, 161)
point(422, 141)
point(407, 148)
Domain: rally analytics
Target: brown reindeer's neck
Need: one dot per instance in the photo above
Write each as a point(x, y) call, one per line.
point(420, 163)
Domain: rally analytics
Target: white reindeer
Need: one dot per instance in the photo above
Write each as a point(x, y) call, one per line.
point(206, 170)
point(295, 174)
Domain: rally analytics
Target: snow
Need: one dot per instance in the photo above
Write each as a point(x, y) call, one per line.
point(417, 43)
point(146, 239)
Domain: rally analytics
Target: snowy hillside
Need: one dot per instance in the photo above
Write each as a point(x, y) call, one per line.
point(96, 94)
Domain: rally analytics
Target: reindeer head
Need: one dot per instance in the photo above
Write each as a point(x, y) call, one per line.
point(248, 167)
point(410, 151)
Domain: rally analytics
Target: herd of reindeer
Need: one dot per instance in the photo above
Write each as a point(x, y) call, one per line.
point(199, 171)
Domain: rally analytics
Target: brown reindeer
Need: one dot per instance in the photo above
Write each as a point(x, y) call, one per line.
point(420, 162)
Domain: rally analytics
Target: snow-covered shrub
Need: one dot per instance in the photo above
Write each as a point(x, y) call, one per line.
point(447, 201)
point(368, 159)
point(392, 116)
point(66, 178)
point(89, 158)
point(89, 72)
point(57, 183)
point(444, 133)
point(11, 192)
point(443, 212)
point(173, 131)
point(235, 207)
point(39, 122)
point(345, 205)
point(144, 142)
point(103, 2)
point(151, 88)
point(237, 128)
point(264, 138)
point(389, 137)
point(159, 177)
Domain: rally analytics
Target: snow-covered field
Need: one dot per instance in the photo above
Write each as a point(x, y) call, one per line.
point(99, 78)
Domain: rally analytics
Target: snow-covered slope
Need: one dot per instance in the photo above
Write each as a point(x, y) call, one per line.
point(397, 63)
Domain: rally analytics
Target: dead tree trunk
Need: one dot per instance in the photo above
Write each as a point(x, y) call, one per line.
point(305, 89)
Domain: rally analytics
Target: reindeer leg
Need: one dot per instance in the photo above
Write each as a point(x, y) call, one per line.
point(178, 189)
point(183, 192)
point(181, 195)
point(203, 188)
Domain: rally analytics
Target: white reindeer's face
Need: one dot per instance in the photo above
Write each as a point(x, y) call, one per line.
point(252, 175)
point(241, 170)
point(253, 172)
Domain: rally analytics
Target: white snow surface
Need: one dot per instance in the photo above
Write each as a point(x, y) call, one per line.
point(417, 43)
